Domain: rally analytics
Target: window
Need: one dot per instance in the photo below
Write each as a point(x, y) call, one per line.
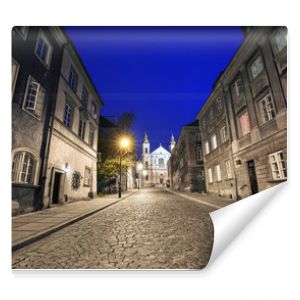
point(23, 168)
point(81, 128)
point(218, 172)
point(76, 178)
point(68, 116)
point(214, 143)
point(84, 96)
point(198, 137)
point(238, 87)
point(161, 162)
point(94, 110)
point(34, 97)
point(209, 175)
point(281, 38)
point(219, 104)
point(278, 166)
point(146, 150)
point(267, 109)
point(206, 145)
point(73, 79)
point(224, 135)
point(87, 177)
point(23, 31)
point(228, 169)
point(91, 137)
point(245, 123)
point(256, 67)
point(43, 49)
point(14, 75)
point(146, 165)
point(198, 153)
point(204, 122)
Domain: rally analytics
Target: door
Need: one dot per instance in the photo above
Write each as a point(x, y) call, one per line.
point(56, 188)
point(252, 177)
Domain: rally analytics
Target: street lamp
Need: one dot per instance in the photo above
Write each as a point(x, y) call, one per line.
point(124, 144)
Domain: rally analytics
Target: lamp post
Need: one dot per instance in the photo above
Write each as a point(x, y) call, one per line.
point(124, 143)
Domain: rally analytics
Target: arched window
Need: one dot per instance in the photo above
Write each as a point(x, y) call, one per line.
point(23, 167)
point(146, 165)
point(146, 150)
point(161, 162)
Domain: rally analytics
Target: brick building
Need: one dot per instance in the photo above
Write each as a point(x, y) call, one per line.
point(243, 123)
point(185, 166)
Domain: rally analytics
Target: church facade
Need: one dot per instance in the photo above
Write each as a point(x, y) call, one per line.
point(155, 164)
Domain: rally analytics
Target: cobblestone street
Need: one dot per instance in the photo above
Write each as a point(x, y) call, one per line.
point(151, 229)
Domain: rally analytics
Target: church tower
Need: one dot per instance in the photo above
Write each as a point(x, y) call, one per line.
point(146, 145)
point(172, 143)
point(146, 152)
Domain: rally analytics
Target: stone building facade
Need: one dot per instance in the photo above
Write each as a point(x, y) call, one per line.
point(36, 60)
point(243, 123)
point(155, 168)
point(72, 161)
point(54, 121)
point(185, 166)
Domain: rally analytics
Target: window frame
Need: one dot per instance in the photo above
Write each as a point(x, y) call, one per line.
point(218, 173)
point(71, 116)
point(14, 75)
point(265, 111)
point(87, 180)
point(238, 89)
point(39, 98)
point(241, 126)
point(254, 61)
point(280, 29)
point(228, 169)
point(224, 134)
point(91, 141)
point(206, 147)
point(81, 129)
point(210, 175)
point(73, 71)
point(42, 36)
point(35, 168)
point(214, 142)
point(282, 170)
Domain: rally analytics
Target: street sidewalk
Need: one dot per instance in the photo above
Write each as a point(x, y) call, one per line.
point(205, 199)
point(31, 227)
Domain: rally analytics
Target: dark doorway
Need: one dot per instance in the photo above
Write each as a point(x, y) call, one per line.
point(252, 176)
point(56, 188)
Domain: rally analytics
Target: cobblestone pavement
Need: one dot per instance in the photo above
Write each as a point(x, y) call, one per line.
point(151, 229)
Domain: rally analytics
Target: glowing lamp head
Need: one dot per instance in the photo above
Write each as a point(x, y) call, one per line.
point(124, 142)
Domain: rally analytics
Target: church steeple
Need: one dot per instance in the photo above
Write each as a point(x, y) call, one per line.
point(146, 141)
point(146, 145)
point(172, 143)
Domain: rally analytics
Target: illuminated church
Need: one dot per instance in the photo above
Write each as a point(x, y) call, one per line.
point(155, 164)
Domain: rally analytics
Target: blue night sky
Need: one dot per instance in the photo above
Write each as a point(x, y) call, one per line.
point(162, 74)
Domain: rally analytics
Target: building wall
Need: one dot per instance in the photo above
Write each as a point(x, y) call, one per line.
point(251, 139)
point(71, 154)
point(28, 131)
point(185, 170)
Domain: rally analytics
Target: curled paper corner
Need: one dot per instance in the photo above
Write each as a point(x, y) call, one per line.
point(229, 221)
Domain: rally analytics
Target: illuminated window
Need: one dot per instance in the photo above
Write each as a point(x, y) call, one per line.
point(245, 123)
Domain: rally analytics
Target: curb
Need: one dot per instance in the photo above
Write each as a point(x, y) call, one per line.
point(41, 235)
point(194, 199)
